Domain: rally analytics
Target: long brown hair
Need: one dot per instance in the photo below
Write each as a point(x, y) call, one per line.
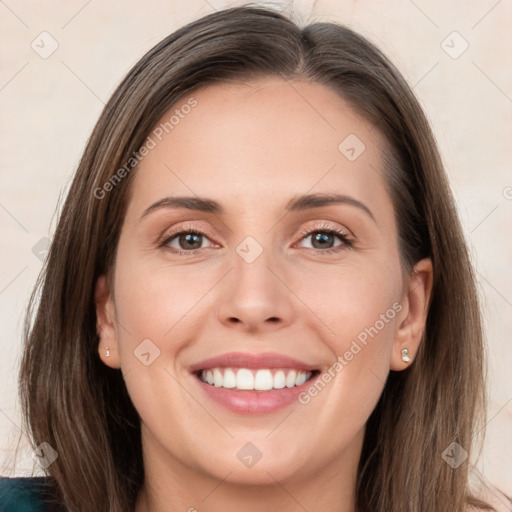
point(72, 401)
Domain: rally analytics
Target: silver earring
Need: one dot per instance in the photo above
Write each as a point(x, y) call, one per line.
point(405, 355)
point(107, 350)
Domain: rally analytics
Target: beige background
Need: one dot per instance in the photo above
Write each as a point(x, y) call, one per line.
point(49, 106)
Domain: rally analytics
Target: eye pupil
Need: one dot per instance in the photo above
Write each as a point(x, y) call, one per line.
point(190, 238)
point(321, 238)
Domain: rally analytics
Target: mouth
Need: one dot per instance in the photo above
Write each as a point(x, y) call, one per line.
point(248, 383)
point(248, 379)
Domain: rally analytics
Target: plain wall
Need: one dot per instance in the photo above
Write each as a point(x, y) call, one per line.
point(49, 106)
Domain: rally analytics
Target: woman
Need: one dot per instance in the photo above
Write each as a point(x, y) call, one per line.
point(258, 295)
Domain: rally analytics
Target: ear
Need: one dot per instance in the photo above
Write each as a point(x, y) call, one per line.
point(415, 303)
point(108, 348)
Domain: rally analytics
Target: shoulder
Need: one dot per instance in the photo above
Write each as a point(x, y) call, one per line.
point(22, 494)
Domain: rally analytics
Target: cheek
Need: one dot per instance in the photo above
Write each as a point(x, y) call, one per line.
point(156, 308)
point(158, 302)
point(354, 302)
point(358, 311)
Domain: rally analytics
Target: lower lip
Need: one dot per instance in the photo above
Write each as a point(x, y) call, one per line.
point(251, 401)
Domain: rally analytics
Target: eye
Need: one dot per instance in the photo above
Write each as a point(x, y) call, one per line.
point(323, 238)
point(188, 240)
point(184, 241)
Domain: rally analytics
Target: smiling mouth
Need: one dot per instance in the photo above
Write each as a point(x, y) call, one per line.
point(247, 379)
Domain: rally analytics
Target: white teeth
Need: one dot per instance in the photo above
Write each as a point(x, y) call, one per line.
point(244, 379)
point(263, 380)
point(279, 380)
point(290, 379)
point(217, 378)
point(229, 379)
point(260, 380)
point(301, 378)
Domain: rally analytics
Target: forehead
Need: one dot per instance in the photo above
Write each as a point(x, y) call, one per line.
point(269, 138)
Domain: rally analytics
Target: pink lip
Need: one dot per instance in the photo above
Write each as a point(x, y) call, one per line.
point(246, 360)
point(252, 401)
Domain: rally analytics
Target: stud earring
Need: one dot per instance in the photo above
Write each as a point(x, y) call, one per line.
point(405, 355)
point(107, 350)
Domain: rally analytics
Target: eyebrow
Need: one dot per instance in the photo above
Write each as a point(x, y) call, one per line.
point(299, 203)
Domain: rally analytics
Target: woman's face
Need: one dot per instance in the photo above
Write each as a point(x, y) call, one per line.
point(276, 271)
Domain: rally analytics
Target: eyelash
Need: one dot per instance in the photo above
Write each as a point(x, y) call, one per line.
point(347, 243)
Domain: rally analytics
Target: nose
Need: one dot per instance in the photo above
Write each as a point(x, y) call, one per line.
point(255, 297)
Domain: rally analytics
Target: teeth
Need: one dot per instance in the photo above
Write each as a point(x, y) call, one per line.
point(260, 380)
point(279, 380)
point(291, 379)
point(301, 378)
point(263, 380)
point(217, 378)
point(244, 379)
point(229, 380)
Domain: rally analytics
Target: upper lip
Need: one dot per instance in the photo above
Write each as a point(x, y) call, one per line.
point(246, 360)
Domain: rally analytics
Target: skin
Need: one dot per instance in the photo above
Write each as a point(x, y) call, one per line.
point(252, 147)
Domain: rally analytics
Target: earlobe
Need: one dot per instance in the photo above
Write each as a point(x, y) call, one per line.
point(105, 324)
point(416, 301)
